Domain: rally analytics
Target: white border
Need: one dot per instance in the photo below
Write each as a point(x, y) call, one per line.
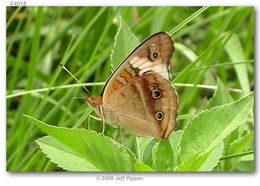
point(135, 2)
point(90, 178)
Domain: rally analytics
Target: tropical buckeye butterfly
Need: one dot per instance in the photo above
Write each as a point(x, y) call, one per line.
point(139, 95)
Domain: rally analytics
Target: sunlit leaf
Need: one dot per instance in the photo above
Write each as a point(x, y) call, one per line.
point(174, 139)
point(221, 96)
point(163, 156)
point(210, 127)
point(235, 51)
point(100, 151)
point(125, 42)
point(63, 156)
point(201, 162)
point(140, 167)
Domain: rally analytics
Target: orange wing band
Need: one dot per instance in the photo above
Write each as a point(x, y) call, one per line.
point(126, 75)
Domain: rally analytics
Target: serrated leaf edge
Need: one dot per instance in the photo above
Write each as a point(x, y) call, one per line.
point(206, 111)
point(43, 151)
point(120, 146)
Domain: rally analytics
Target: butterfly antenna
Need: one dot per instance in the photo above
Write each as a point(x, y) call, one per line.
point(75, 79)
point(77, 97)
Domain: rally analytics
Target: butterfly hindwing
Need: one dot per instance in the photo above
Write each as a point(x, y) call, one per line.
point(146, 106)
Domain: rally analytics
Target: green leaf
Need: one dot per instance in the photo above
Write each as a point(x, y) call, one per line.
point(213, 159)
point(163, 156)
point(159, 18)
point(249, 157)
point(202, 163)
point(245, 166)
point(144, 149)
point(125, 42)
point(221, 96)
point(141, 167)
point(183, 49)
point(187, 164)
point(241, 144)
point(174, 139)
point(142, 144)
point(102, 152)
point(235, 51)
point(238, 146)
point(209, 128)
point(63, 156)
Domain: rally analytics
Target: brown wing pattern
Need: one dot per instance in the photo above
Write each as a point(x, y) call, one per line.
point(152, 55)
point(139, 95)
point(137, 107)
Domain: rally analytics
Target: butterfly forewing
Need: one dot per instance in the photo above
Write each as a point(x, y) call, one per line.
point(153, 55)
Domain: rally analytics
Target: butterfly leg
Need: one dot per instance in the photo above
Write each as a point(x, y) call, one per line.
point(88, 122)
point(102, 118)
point(96, 118)
point(93, 117)
point(121, 134)
point(115, 135)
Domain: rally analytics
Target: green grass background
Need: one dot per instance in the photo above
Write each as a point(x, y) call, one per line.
point(216, 43)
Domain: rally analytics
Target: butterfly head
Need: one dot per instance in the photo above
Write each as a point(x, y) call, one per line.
point(94, 101)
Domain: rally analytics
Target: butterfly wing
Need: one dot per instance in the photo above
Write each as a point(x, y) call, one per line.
point(139, 95)
point(146, 106)
point(152, 55)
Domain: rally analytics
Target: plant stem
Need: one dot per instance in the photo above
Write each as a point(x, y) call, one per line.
point(18, 93)
point(187, 20)
point(236, 155)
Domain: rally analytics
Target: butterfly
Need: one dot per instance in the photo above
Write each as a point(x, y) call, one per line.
point(138, 95)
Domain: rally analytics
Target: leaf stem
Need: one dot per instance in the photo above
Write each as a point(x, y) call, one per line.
point(212, 87)
point(236, 155)
point(188, 19)
point(18, 93)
